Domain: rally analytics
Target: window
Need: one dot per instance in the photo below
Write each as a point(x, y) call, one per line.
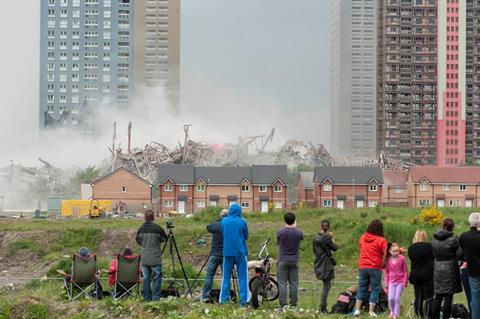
point(200, 187)
point(327, 187)
point(446, 187)
point(201, 203)
point(278, 205)
point(398, 190)
point(463, 187)
point(168, 187)
point(263, 189)
point(183, 188)
point(167, 203)
point(245, 188)
point(454, 203)
point(124, 189)
point(245, 204)
point(423, 186)
point(372, 203)
point(277, 188)
point(372, 187)
point(424, 202)
point(327, 202)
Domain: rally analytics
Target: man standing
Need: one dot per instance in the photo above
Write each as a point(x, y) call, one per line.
point(149, 237)
point(470, 243)
point(235, 234)
point(216, 255)
point(288, 239)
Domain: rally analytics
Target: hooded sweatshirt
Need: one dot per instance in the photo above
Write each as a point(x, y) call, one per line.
point(372, 251)
point(235, 233)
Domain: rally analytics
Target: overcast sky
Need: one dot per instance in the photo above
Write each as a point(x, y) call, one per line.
point(246, 66)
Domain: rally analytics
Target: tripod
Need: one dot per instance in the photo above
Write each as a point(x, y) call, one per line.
point(173, 249)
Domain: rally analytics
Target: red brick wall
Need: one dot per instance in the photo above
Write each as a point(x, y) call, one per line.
point(348, 191)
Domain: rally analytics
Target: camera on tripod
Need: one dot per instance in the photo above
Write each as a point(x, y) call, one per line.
point(170, 225)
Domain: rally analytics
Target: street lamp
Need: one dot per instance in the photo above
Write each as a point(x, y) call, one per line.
point(353, 186)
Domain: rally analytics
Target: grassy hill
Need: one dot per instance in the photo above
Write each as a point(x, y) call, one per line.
point(38, 247)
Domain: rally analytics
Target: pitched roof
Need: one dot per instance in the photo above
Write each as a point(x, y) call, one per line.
point(346, 174)
point(179, 174)
point(395, 178)
point(223, 175)
point(307, 179)
point(268, 174)
point(436, 174)
point(118, 170)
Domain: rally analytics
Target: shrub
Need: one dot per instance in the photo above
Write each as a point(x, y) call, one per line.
point(431, 216)
point(37, 311)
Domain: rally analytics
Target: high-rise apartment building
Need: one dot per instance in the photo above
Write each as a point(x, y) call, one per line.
point(86, 58)
point(157, 47)
point(407, 80)
point(428, 81)
point(352, 104)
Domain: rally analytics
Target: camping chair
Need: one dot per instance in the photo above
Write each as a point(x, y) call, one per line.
point(83, 277)
point(127, 276)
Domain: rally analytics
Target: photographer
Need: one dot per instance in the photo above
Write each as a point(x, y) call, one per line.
point(216, 255)
point(149, 237)
point(323, 245)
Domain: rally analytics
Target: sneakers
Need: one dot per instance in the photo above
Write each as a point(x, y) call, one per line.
point(356, 313)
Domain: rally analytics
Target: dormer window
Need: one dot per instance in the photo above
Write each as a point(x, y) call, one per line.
point(424, 186)
point(372, 187)
point(200, 187)
point(327, 187)
point(245, 188)
point(168, 187)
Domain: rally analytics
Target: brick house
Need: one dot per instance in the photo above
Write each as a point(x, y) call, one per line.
point(125, 189)
point(442, 186)
point(304, 190)
point(188, 189)
point(348, 186)
point(395, 192)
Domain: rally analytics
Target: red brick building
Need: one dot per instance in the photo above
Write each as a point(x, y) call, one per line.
point(395, 192)
point(124, 189)
point(343, 187)
point(188, 189)
point(305, 190)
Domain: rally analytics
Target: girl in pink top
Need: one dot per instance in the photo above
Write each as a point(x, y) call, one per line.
point(396, 279)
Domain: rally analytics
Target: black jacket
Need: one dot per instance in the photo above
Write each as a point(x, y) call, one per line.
point(322, 249)
point(421, 260)
point(217, 239)
point(149, 237)
point(447, 252)
point(470, 243)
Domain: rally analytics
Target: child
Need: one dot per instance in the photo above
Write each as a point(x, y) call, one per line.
point(396, 279)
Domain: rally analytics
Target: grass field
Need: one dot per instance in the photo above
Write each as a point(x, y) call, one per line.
point(39, 247)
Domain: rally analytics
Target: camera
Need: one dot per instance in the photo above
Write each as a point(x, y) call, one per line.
point(170, 225)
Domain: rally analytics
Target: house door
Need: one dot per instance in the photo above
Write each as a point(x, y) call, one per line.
point(264, 208)
point(340, 203)
point(231, 203)
point(468, 203)
point(440, 203)
point(181, 207)
point(359, 203)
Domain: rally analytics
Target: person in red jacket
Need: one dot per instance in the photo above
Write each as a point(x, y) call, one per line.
point(128, 254)
point(370, 265)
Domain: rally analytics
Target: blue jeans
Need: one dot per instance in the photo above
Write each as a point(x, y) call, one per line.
point(147, 271)
point(475, 291)
point(466, 286)
point(369, 278)
point(213, 263)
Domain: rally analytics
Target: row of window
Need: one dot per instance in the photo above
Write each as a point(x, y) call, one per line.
point(328, 203)
point(201, 204)
point(445, 187)
point(451, 203)
point(201, 188)
point(371, 187)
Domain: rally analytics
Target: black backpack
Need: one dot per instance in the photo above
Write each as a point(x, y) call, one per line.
point(345, 303)
point(459, 311)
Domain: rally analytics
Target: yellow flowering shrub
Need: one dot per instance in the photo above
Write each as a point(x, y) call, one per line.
point(431, 216)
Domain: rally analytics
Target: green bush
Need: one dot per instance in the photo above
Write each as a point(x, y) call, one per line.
point(37, 311)
point(20, 244)
point(5, 309)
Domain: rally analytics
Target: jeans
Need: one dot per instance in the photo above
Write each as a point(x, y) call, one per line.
point(213, 263)
point(395, 298)
point(242, 275)
point(147, 271)
point(423, 297)
point(466, 286)
point(369, 278)
point(475, 290)
point(287, 271)
point(327, 284)
point(446, 308)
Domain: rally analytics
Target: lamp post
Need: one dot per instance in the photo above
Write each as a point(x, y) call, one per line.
point(353, 195)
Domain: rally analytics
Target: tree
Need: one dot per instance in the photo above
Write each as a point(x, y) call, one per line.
point(81, 176)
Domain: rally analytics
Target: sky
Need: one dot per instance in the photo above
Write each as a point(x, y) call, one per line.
point(246, 67)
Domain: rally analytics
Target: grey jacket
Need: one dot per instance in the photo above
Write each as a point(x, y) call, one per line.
point(322, 249)
point(149, 237)
point(446, 271)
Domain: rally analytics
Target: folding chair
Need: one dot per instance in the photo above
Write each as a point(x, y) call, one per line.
point(83, 276)
point(127, 276)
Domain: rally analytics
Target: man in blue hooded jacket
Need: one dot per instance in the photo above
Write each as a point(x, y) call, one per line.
point(235, 234)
